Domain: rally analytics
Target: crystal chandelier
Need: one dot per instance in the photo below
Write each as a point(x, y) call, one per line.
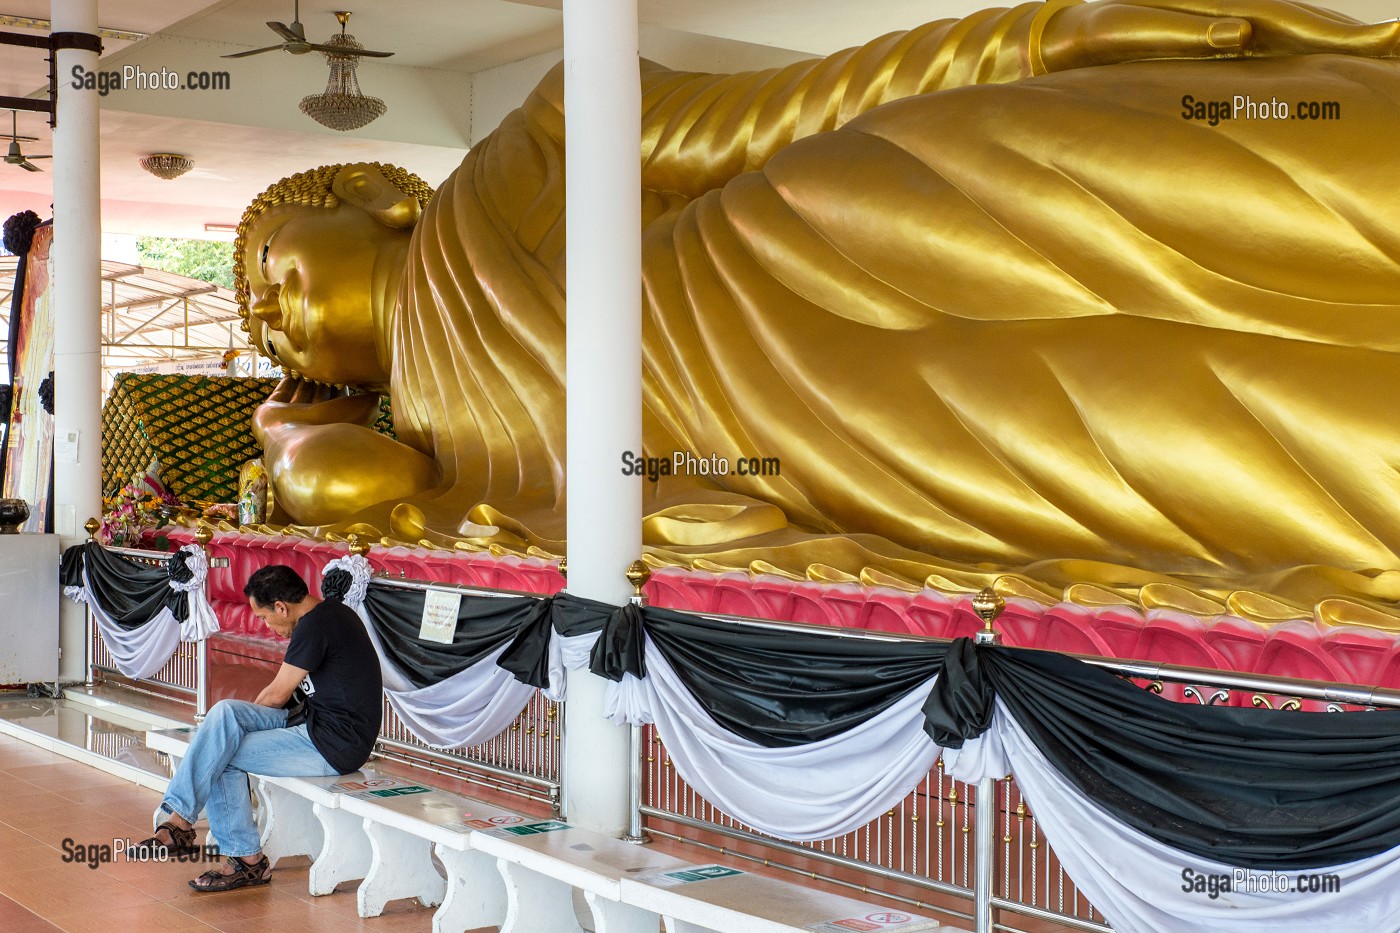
point(167, 165)
point(342, 106)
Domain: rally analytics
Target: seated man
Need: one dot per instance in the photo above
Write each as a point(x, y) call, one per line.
point(330, 656)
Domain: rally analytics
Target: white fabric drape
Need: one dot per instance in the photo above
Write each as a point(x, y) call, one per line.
point(1140, 884)
point(467, 708)
point(201, 621)
point(139, 652)
point(816, 791)
point(360, 574)
point(568, 653)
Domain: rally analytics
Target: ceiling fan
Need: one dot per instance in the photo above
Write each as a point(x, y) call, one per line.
point(296, 43)
point(15, 156)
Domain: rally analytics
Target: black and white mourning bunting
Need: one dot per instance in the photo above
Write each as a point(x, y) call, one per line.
point(1142, 885)
point(448, 695)
point(803, 736)
point(820, 789)
point(142, 612)
point(1245, 785)
point(1180, 817)
point(1171, 818)
point(774, 687)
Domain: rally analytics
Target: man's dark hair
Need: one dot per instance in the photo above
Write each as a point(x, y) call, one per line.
point(278, 582)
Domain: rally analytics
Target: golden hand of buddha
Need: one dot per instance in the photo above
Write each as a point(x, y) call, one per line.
point(325, 459)
point(1116, 31)
point(296, 402)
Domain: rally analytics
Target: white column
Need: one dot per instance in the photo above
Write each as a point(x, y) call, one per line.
point(602, 105)
point(77, 273)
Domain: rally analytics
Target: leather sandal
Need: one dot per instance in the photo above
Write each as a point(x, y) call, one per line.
point(181, 840)
point(242, 876)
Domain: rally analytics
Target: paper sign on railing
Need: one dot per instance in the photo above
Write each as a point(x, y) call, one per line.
point(440, 610)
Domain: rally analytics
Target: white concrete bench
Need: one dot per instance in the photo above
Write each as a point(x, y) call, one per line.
point(719, 899)
point(379, 829)
point(403, 825)
point(542, 862)
point(517, 872)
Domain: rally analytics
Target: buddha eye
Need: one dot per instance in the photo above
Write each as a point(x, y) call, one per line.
point(263, 261)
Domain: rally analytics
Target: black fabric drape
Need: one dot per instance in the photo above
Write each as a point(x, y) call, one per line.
point(484, 624)
point(1255, 788)
point(960, 705)
point(620, 648)
point(70, 566)
point(527, 656)
point(131, 593)
point(576, 615)
point(777, 688)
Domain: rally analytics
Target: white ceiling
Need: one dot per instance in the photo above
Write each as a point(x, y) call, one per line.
point(459, 65)
point(459, 35)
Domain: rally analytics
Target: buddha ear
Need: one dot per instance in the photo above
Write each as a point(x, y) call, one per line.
point(364, 186)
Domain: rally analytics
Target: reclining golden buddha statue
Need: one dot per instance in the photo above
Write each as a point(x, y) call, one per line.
point(1022, 293)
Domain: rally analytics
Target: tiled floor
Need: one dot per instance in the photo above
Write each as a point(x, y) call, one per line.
point(45, 799)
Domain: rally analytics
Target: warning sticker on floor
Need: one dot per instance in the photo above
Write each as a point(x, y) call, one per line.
point(674, 879)
point(495, 822)
point(871, 923)
point(396, 791)
point(356, 787)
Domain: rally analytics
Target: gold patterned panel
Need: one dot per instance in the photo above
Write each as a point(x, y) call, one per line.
point(198, 426)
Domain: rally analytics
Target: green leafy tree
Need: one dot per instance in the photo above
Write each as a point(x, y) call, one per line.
point(207, 260)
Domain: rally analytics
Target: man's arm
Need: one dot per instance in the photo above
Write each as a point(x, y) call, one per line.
point(277, 693)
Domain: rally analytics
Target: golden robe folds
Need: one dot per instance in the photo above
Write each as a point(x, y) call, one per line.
point(982, 315)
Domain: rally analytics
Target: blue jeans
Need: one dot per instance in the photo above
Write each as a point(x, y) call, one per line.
point(237, 738)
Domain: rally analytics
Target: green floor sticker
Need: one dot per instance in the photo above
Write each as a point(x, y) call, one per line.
point(531, 829)
point(672, 879)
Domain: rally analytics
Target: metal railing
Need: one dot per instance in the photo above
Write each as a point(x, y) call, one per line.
point(938, 843)
point(523, 760)
point(184, 678)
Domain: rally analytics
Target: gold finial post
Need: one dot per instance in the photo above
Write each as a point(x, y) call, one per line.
point(204, 534)
point(91, 526)
point(359, 545)
point(564, 568)
point(638, 574)
point(988, 605)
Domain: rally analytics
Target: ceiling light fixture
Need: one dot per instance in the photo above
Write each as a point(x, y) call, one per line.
point(342, 106)
point(167, 165)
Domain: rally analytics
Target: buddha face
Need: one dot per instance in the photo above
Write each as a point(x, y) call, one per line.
point(321, 283)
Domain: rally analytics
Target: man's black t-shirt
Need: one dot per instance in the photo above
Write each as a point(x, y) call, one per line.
point(343, 690)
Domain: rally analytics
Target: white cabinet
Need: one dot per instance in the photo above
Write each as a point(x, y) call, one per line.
point(29, 594)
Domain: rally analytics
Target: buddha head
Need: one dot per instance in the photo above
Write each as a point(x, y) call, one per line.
point(317, 262)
